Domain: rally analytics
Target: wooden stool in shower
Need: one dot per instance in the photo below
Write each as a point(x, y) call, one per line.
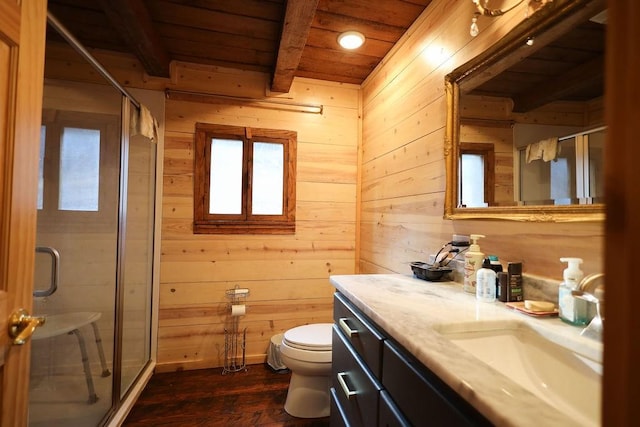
point(70, 323)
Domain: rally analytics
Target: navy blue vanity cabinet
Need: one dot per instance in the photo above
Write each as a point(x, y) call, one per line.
point(376, 382)
point(356, 367)
point(338, 418)
point(422, 397)
point(389, 415)
point(363, 336)
point(356, 389)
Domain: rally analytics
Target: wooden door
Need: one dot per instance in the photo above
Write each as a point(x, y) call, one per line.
point(22, 37)
point(621, 381)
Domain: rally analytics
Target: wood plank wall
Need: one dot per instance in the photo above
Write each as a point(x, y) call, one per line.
point(287, 274)
point(403, 169)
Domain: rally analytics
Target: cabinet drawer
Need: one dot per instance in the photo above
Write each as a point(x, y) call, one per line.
point(338, 418)
point(357, 390)
point(390, 415)
point(363, 336)
point(421, 395)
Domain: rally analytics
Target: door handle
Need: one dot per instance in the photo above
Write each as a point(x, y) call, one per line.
point(55, 271)
point(22, 326)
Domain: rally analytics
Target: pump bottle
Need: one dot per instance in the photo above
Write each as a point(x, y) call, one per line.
point(570, 309)
point(472, 263)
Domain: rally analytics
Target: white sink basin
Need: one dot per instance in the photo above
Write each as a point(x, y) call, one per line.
point(561, 377)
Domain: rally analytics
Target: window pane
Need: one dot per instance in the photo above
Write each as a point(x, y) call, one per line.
point(472, 180)
point(225, 188)
point(268, 178)
point(79, 170)
point(563, 174)
point(43, 136)
point(534, 181)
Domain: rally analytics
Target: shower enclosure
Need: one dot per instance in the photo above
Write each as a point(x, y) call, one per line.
point(95, 254)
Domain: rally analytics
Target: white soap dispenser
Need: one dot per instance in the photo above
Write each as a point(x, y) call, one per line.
point(473, 259)
point(570, 309)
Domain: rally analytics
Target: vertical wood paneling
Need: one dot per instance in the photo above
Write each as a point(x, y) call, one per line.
point(288, 275)
point(403, 168)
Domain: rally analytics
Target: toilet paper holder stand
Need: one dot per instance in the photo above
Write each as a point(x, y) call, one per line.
point(234, 340)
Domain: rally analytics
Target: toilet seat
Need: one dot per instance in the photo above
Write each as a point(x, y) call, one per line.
point(314, 337)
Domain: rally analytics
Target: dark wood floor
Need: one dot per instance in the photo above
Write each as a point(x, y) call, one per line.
point(205, 397)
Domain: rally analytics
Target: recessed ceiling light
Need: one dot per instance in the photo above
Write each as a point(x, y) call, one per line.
point(351, 39)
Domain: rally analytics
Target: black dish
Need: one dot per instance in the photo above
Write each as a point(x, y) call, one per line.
point(430, 273)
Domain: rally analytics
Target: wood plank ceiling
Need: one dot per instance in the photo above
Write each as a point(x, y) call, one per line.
point(279, 37)
point(569, 68)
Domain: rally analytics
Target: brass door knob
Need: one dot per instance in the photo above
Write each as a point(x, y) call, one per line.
point(22, 325)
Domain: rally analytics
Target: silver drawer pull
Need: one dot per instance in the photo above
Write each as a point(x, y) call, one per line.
point(347, 330)
point(345, 387)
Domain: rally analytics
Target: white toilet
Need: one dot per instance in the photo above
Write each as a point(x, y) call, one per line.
point(306, 351)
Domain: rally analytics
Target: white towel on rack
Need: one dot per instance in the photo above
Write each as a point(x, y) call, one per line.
point(534, 152)
point(546, 149)
point(143, 123)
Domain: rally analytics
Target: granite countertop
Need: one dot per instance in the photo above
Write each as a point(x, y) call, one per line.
point(410, 311)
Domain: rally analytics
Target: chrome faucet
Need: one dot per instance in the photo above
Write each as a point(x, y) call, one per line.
point(587, 291)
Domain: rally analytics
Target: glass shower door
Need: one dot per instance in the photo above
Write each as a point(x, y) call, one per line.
point(136, 283)
point(77, 236)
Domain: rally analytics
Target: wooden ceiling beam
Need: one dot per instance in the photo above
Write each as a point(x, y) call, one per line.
point(295, 31)
point(580, 77)
point(132, 21)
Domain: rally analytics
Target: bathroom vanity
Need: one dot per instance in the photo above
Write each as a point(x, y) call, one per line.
point(410, 352)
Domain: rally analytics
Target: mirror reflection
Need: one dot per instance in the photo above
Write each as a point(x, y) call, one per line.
point(526, 118)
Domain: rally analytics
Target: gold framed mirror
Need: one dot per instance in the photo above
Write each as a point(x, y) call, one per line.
point(482, 95)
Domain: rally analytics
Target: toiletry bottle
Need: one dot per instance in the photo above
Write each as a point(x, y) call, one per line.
point(571, 310)
point(497, 267)
point(486, 282)
point(514, 290)
point(503, 286)
point(472, 263)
